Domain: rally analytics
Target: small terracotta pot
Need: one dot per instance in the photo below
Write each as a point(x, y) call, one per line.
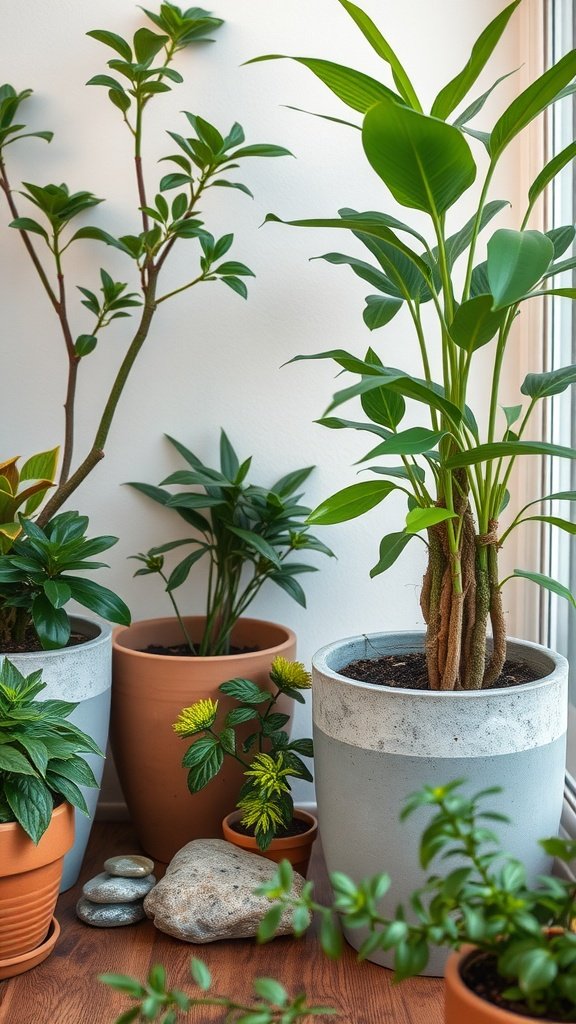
point(462, 1006)
point(296, 849)
point(29, 881)
point(148, 693)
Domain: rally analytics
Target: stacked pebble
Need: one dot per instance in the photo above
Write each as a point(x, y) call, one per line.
point(116, 896)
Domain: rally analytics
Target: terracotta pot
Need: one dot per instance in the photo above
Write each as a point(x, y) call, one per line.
point(296, 849)
point(29, 882)
point(462, 1006)
point(148, 693)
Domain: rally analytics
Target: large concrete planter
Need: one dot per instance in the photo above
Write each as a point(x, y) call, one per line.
point(81, 675)
point(149, 691)
point(375, 745)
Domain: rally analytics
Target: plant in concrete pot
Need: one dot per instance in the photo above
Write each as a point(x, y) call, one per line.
point(265, 820)
point(516, 948)
point(41, 770)
point(246, 534)
point(454, 469)
point(57, 226)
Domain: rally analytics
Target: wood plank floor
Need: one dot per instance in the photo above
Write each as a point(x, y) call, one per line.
point(65, 990)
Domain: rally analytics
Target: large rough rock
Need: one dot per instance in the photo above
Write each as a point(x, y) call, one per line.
point(207, 893)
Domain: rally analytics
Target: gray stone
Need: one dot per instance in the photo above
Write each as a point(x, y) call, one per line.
point(109, 915)
point(207, 893)
point(105, 888)
point(129, 865)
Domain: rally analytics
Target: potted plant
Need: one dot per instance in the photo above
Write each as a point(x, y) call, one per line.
point(51, 221)
point(265, 819)
point(41, 771)
point(449, 704)
point(516, 945)
point(246, 533)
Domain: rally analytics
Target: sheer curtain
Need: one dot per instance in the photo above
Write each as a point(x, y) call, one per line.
point(560, 620)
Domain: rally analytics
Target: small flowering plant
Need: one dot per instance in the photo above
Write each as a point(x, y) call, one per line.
point(268, 755)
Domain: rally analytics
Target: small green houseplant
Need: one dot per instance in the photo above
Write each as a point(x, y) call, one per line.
point(453, 471)
point(245, 531)
point(41, 771)
point(165, 215)
point(155, 1001)
point(40, 753)
point(522, 934)
point(267, 754)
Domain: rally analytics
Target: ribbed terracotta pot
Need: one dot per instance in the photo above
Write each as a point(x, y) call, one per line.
point(375, 745)
point(30, 880)
point(148, 693)
point(462, 1006)
point(297, 849)
point(81, 674)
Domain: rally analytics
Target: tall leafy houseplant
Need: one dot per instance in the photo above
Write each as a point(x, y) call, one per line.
point(455, 475)
point(245, 532)
point(51, 221)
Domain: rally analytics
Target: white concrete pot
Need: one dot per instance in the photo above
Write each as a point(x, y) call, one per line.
point(374, 745)
point(82, 675)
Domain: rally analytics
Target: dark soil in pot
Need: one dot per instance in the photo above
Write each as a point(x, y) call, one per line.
point(479, 973)
point(31, 644)
point(297, 827)
point(409, 672)
point(183, 651)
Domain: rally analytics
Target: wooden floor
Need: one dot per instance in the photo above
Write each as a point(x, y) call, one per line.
point(65, 990)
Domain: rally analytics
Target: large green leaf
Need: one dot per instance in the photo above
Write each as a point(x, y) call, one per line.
point(365, 271)
point(422, 518)
point(364, 225)
point(426, 164)
point(474, 323)
point(98, 599)
point(355, 89)
point(391, 547)
point(561, 524)
point(384, 50)
point(554, 382)
point(516, 261)
point(379, 311)
point(11, 760)
point(501, 449)
point(384, 407)
point(31, 803)
point(532, 102)
point(414, 441)
point(545, 581)
point(430, 394)
point(458, 243)
point(351, 502)
point(51, 624)
point(549, 172)
point(454, 92)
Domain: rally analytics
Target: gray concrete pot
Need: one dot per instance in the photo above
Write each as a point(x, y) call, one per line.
point(82, 675)
point(375, 745)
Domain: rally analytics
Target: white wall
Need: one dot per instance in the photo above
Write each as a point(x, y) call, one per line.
point(212, 360)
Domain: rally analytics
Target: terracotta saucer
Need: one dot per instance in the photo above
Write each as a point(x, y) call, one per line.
point(14, 965)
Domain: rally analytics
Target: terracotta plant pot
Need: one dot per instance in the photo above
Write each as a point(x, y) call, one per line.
point(462, 1006)
point(296, 849)
point(29, 883)
point(148, 693)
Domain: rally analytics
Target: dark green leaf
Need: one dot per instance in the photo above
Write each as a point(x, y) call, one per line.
point(516, 261)
point(532, 102)
point(474, 323)
point(547, 583)
point(355, 89)
point(453, 93)
point(426, 164)
point(391, 547)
